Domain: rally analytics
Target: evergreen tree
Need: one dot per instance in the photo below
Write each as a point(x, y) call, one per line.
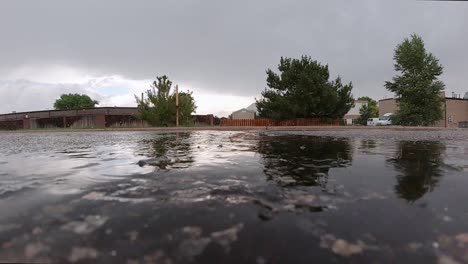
point(303, 89)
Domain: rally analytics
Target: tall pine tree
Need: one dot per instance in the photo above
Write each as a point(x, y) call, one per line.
point(417, 87)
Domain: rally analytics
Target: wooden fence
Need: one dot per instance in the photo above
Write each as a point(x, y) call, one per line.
point(290, 122)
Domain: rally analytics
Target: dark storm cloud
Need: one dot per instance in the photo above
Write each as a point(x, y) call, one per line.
point(226, 46)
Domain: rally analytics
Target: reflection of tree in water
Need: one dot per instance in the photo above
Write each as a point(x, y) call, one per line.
point(419, 164)
point(172, 149)
point(302, 160)
point(368, 144)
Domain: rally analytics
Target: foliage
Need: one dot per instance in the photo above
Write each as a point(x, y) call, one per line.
point(419, 168)
point(216, 121)
point(367, 111)
point(417, 87)
point(303, 89)
point(159, 106)
point(74, 101)
point(280, 158)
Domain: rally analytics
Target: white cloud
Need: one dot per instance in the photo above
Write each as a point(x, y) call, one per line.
point(23, 95)
point(207, 102)
point(33, 91)
point(220, 105)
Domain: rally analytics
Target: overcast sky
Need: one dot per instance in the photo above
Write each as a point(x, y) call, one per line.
point(220, 50)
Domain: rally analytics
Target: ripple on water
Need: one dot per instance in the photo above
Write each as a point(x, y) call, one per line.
point(205, 193)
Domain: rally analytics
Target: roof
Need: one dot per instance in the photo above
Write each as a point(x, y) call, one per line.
point(252, 107)
point(458, 99)
point(387, 99)
point(446, 98)
point(244, 110)
point(71, 112)
point(360, 101)
point(91, 108)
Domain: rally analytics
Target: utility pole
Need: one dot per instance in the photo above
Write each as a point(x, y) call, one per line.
point(177, 104)
point(141, 122)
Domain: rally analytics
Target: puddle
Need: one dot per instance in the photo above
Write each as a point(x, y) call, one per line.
point(235, 197)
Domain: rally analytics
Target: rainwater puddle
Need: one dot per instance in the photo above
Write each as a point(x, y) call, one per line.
point(347, 196)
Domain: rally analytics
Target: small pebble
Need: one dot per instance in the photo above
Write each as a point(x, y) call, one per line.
point(447, 260)
point(133, 236)
point(265, 215)
point(37, 231)
point(447, 218)
point(261, 260)
point(79, 253)
point(33, 249)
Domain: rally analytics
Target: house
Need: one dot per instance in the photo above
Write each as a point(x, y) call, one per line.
point(454, 110)
point(243, 113)
point(98, 117)
point(249, 112)
point(353, 113)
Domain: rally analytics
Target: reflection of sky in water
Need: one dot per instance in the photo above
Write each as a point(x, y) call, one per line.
point(66, 171)
point(69, 162)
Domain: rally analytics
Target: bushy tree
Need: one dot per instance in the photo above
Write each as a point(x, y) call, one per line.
point(216, 121)
point(419, 166)
point(303, 89)
point(367, 111)
point(158, 108)
point(74, 101)
point(417, 86)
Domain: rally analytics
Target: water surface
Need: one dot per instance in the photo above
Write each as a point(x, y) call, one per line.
point(348, 196)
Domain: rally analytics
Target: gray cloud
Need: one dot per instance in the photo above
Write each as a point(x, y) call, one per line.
point(226, 46)
point(23, 95)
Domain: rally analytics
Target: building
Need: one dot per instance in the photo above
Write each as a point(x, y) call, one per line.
point(78, 118)
point(454, 111)
point(353, 113)
point(243, 113)
point(388, 105)
point(249, 112)
point(100, 117)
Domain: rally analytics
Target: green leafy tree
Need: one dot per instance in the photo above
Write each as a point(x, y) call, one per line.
point(74, 101)
point(303, 89)
point(159, 106)
point(367, 111)
point(417, 86)
point(216, 121)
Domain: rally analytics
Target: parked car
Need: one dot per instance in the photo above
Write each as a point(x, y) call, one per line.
point(385, 120)
point(372, 121)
